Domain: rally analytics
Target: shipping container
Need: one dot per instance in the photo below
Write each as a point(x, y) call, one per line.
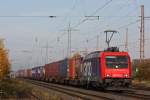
point(52, 71)
point(64, 69)
point(25, 73)
point(21, 73)
point(42, 73)
point(17, 74)
point(33, 73)
point(74, 66)
point(29, 73)
point(46, 67)
point(36, 73)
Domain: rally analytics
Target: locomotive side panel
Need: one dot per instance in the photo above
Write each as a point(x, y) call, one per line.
point(91, 69)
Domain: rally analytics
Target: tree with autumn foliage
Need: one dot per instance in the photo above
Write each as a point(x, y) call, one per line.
point(4, 60)
point(141, 69)
point(144, 70)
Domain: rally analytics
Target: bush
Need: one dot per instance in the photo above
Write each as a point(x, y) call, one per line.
point(14, 89)
point(143, 70)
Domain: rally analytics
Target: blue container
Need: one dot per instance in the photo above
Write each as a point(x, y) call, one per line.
point(36, 72)
point(63, 68)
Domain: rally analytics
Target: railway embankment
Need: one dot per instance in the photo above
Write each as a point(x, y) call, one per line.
point(143, 85)
point(11, 89)
point(141, 70)
point(19, 89)
point(14, 89)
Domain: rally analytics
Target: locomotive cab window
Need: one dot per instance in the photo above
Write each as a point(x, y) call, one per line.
point(116, 61)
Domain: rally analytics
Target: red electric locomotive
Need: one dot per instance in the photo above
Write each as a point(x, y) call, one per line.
point(109, 69)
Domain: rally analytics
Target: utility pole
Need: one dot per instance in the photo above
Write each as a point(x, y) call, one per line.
point(36, 51)
point(86, 49)
point(69, 41)
point(47, 47)
point(126, 42)
point(142, 38)
point(69, 30)
point(97, 44)
point(46, 60)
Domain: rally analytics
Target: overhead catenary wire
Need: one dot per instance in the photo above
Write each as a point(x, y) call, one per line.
point(100, 8)
point(120, 17)
point(56, 16)
point(131, 23)
point(120, 27)
point(84, 20)
point(124, 26)
point(53, 16)
point(127, 15)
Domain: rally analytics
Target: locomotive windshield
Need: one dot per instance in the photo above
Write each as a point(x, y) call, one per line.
point(117, 61)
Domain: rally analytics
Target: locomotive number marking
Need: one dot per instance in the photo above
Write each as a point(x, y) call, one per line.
point(87, 70)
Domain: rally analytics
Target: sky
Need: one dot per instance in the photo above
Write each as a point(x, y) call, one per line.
point(28, 30)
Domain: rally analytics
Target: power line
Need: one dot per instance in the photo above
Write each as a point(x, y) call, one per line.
point(131, 23)
point(84, 20)
point(79, 16)
point(69, 12)
point(93, 13)
point(133, 42)
point(102, 7)
point(126, 41)
point(127, 15)
point(69, 30)
point(30, 16)
point(129, 43)
point(59, 16)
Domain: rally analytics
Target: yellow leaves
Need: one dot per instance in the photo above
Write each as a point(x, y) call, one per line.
point(143, 70)
point(76, 56)
point(4, 61)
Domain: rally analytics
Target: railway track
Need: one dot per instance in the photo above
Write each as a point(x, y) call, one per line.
point(90, 94)
point(34, 97)
point(132, 93)
point(71, 92)
point(141, 88)
point(138, 96)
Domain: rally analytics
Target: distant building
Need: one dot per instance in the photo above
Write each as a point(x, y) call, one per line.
point(12, 74)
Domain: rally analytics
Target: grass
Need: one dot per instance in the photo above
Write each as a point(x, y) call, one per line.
point(14, 89)
point(11, 88)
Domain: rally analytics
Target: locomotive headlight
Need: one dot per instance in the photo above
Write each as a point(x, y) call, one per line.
point(107, 75)
point(126, 75)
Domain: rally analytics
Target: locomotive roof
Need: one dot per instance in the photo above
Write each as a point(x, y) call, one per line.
point(94, 54)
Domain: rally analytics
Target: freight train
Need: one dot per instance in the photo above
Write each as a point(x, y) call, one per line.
point(108, 69)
